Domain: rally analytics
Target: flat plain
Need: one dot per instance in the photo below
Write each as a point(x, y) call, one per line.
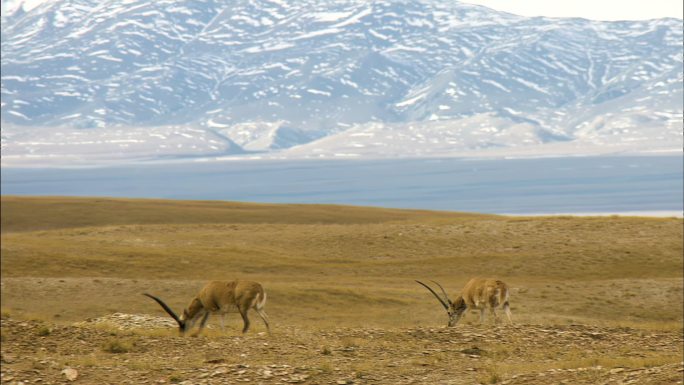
point(594, 299)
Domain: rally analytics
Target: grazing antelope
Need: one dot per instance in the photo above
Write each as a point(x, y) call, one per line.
point(478, 293)
point(220, 297)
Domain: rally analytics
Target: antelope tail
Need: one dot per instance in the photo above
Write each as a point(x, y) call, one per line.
point(261, 303)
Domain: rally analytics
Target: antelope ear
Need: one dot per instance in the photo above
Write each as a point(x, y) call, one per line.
point(460, 303)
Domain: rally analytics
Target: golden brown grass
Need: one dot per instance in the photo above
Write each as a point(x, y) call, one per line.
point(333, 265)
point(117, 345)
point(50, 213)
point(578, 359)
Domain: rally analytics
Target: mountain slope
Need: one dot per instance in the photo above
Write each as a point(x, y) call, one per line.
point(269, 75)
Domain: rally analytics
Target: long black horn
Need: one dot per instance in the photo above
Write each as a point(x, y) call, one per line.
point(168, 309)
point(443, 292)
point(433, 292)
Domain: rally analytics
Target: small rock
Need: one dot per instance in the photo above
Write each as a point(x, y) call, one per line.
point(220, 371)
point(616, 370)
point(216, 361)
point(70, 374)
point(474, 351)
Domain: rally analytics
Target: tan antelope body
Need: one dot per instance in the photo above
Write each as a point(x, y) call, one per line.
point(220, 298)
point(478, 293)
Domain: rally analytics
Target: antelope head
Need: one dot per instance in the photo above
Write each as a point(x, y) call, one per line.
point(183, 324)
point(454, 309)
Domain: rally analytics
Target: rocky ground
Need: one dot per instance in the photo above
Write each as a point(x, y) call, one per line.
point(140, 349)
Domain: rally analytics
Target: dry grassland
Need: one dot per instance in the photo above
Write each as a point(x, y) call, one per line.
point(340, 278)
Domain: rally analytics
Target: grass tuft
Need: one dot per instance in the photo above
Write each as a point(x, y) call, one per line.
point(115, 345)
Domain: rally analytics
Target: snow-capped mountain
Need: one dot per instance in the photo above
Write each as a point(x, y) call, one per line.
point(148, 78)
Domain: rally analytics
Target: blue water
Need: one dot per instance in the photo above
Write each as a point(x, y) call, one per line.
point(559, 185)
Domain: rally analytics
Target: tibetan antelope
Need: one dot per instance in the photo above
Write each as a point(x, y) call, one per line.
point(220, 297)
point(478, 293)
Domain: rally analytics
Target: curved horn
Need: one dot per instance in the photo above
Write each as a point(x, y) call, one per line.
point(433, 292)
point(168, 309)
point(443, 292)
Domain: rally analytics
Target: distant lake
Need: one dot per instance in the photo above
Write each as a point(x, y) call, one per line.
point(516, 186)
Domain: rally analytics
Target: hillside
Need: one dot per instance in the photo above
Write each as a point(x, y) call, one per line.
point(593, 298)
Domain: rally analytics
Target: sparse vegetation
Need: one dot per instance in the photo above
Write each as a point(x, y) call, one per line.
point(44, 331)
point(175, 378)
point(341, 295)
point(491, 375)
point(116, 345)
point(325, 368)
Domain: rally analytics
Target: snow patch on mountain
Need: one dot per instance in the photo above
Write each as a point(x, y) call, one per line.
point(282, 78)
